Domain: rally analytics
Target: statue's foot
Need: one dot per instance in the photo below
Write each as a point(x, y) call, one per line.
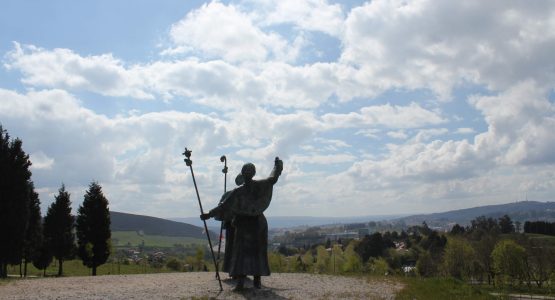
point(257, 282)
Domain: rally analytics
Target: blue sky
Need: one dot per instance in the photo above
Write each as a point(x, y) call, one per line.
point(381, 107)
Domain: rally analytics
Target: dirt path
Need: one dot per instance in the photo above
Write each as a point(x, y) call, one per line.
point(199, 285)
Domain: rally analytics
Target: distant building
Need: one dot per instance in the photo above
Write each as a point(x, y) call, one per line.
point(342, 235)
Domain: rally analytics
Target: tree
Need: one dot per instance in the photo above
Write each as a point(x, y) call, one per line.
point(322, 259)
point(33, 234)
point(482, 225)
point(58, 228)
point(483, 248)
point(352, 263)
point(539, 262)
point(506, 224)
point(373, 246)
point(458, 259)
point(43, 255)
point(14, 197)
point(434, 243)
point(308, 259)
point(93, 228)
point(425, 265)
point(509, 260)
point(457, 230)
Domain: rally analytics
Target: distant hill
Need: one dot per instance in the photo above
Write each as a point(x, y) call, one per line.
point(518, 211)
point(154, 226)
point(297, 221)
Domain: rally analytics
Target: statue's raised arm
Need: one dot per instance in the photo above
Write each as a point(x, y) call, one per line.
point(276, 172)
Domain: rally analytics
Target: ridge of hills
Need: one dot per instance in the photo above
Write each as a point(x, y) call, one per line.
point(154, 226)
point(517, 211)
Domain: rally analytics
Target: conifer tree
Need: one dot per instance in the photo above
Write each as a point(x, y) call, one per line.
point(33, 234)
point(14, 197)
point(43, 255)
point(58, 228)
point(93, 228)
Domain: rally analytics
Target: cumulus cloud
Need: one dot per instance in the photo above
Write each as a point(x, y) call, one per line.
point(237, 61)
point(63, 68)
point(425, 44)
point(215, 83)
point(393, 116)
point(223, 31)
point(310, 15)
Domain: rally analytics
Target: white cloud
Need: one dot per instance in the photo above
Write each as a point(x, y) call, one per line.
point(217, 84)
point(399, 134)
point(465, 130)
point(41, 161)
point(322, 159)
point(223, 31)
point(425, 44)
point(62, 68)
point(311, 15)
point(519, 124)
point(393, 116)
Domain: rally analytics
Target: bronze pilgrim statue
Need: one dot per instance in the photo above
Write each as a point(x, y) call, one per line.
point(242, 211)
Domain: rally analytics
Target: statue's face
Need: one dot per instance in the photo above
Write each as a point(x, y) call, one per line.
point(248, 171)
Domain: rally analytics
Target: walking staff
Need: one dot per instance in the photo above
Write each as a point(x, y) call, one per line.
point(189, 163)
point(224, 170)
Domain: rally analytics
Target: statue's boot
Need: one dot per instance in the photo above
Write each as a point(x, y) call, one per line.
point(257, 282)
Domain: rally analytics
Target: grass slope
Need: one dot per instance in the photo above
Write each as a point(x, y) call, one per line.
point(440, 288)
point(76, 268)
point(153, 226)
point(133, 238)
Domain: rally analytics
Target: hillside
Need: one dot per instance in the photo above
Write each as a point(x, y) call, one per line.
point(518, 211)
point(154, 226)
point(297, 221)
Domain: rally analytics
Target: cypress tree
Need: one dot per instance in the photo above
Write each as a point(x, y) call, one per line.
point(93, 228)
point(58, 228)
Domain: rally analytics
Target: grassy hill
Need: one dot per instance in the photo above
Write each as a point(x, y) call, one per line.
point(134, 238)
point(151, 226)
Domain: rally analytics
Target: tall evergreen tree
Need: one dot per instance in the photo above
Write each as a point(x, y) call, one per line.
point(14, 197)
point(43, 255)
point(93, 228)
point(58, 228)
point(33, 235)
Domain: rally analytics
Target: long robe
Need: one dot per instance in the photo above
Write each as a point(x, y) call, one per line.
point(249, 233)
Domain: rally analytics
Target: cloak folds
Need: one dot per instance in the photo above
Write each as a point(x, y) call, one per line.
point(242, 209)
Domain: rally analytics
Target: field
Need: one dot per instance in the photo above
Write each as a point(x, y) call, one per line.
point(76, 268)
point(440, 288)
point(120, 239)
point(134, 239)
point(547, 239)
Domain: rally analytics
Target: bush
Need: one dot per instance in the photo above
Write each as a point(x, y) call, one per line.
point(174, 264)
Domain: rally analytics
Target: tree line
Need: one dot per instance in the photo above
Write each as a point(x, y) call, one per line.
point(26, 237)
point(540, 227)
point(489, 251)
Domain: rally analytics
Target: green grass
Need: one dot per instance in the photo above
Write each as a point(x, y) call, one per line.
point(76, 268)
point(440, 288)
point(132, 238)
point(548, 239)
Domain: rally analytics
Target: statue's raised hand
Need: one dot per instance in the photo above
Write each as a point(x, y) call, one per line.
point(278, 164)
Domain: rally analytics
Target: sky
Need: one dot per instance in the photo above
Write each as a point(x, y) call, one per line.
point(380, 107)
